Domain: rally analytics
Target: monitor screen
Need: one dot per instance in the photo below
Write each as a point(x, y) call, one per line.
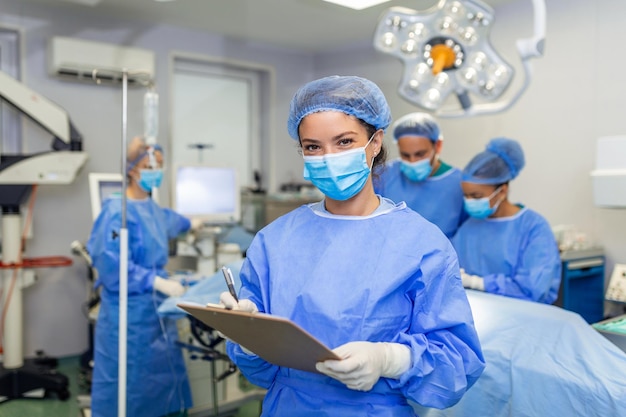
point(101, 187)
point(210, 194)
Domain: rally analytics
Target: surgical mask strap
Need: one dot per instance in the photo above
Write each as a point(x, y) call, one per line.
point(435, 158)
point(494, 192)
point(368, 142)
point(365, 147)
point(497, 204)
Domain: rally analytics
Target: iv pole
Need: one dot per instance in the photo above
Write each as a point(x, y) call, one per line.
point(140, 78)
point(123, 271)
point(123, 323)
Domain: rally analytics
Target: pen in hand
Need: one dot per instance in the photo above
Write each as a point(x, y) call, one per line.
point(230, 283)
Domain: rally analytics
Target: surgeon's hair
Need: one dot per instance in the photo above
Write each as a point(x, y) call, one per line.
point(381, 158)
point(135, 148)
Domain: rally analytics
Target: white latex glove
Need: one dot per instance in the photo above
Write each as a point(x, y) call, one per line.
point(168, 287)
point(473, 282)
point(229, 302)
point(364, 363)
point(196, 224)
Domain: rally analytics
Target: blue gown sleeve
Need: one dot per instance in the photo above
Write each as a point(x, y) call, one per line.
point(379, 179)
point(379, 187)
point(462, 218)
point(446, 355)
point(176, 223)
point(257, 370)
point(538, 273)
point(104, 248)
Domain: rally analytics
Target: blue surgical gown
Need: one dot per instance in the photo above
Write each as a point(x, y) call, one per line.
point(157, 381)
point(517, 256)
point(438, 198)
point(391, 276)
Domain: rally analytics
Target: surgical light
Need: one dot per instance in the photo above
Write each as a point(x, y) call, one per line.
point(446, 52)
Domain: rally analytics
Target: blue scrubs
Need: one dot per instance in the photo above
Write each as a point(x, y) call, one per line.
point(156, 377)
point(438, 198)
point(391, 276)
point(517, 256)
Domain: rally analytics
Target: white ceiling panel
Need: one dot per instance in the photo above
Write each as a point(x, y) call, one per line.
point(311, 25)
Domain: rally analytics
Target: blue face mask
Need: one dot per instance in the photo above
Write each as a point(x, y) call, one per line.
point(480, 208)
point(339, 176)
point(150, 178)
point(416, 171)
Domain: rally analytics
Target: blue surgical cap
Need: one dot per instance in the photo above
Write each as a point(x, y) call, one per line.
point(351, 95)
point(500, 162)
point(137, 150)
point(416, 124)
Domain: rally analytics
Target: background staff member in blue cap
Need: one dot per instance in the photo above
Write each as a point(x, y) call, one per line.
point(504, 248)
point(368, 277)
point(157, 383)
point(419, 177)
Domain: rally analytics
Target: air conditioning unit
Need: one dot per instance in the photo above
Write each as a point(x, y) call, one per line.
point(81, 60)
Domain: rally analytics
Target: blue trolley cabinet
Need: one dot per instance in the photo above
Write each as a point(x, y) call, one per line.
point(582, 283)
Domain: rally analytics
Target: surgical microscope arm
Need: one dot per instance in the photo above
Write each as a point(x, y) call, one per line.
point(41, 110)
point(59, 167)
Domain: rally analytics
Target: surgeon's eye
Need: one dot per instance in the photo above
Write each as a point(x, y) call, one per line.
point(345, 142)
point(311, 149)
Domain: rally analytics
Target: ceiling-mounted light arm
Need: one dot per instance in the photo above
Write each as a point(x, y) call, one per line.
point(528, 48)
point(533, 47)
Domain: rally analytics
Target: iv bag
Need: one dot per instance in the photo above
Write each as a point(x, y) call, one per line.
point(151, 116)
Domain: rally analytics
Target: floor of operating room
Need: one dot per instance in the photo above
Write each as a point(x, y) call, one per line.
point(52, 407)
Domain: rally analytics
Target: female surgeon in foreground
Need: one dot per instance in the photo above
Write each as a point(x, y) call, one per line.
point(369, 278)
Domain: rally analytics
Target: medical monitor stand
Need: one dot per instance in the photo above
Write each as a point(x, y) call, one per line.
point(17, 375)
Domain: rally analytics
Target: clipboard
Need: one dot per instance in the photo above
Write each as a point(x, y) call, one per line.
point(275, 339)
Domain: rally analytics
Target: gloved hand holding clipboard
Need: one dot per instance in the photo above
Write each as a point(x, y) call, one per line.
point(275, 339)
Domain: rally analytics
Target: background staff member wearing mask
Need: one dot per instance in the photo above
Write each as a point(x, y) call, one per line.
point(504, 248)
point(422, 180)
point(157, 381)
point(368, 277)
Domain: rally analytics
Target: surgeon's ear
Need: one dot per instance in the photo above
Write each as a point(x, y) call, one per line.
point(132, 175)
point(438, 146)
point(378, 141)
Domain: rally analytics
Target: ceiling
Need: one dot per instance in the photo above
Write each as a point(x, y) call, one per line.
point(309, 25)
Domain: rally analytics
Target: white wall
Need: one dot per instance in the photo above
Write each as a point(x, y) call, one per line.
point(557, 121)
